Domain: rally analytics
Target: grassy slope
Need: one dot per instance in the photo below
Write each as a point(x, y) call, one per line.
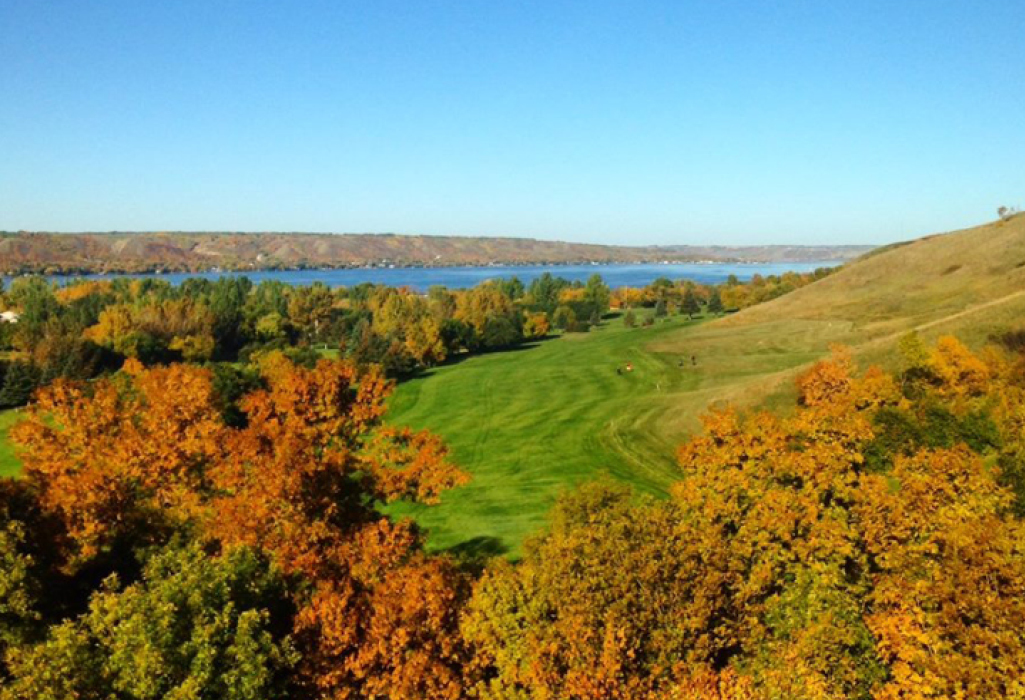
point(921, 284)
point(970, 283)
point(9, 464)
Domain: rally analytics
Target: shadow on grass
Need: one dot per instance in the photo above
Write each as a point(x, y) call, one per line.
point(464, 356)
point(475, 552)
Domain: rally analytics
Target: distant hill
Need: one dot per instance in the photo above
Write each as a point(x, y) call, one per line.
point(57, 253)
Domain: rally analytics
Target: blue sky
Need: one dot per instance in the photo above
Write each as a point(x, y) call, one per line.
point(612, 122)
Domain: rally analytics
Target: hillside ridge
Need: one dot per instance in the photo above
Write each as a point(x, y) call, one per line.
point(917, 284)
point(55, 253)
point(968, 283)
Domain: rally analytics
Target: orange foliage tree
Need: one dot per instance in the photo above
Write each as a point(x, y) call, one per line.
point(137, 456)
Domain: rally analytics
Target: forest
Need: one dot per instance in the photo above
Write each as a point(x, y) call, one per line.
point(204, 510)
point(86, 328)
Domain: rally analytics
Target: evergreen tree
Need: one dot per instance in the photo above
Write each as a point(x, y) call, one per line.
point(715, 302)
point(20, 381)
point(690, 303)
point(598, 295)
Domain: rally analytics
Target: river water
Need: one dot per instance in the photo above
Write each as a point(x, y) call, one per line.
point(421, 278)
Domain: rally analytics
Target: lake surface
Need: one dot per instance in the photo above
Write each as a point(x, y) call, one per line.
point(421, 278)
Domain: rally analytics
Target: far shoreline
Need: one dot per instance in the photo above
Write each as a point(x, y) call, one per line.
point(629, 274)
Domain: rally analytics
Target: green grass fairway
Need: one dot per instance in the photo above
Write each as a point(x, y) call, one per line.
point(9, 464)
point(530, 422)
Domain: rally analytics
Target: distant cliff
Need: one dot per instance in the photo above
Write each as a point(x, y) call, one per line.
point(56, 253)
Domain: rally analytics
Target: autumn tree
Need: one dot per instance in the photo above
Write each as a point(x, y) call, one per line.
point(495, 321)
point(627, 298)
point(137, 458)
point(600, 606)
point(564, 318)
point(948, 598)
point(536, 326)
point(407, 319)
point(852, 574)
point(149, 332)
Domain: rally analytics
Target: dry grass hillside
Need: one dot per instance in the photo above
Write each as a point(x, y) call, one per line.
point(968, 283)
point(928, 281)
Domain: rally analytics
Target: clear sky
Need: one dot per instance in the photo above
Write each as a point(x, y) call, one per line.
point(613, 122)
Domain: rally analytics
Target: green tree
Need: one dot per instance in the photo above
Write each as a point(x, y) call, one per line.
point(691, 305)
point(18, 587)
point(715, 305)
point(309, 309)
point(597, 294)
point(512, 288)
point(194, 627)
point(544, 291)
point(500, 332)
point(227, 301)
point(20, 380)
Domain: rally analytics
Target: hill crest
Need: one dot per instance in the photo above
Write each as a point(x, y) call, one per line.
point(55, 253)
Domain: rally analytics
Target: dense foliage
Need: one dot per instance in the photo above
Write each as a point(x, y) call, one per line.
point(264, 561)
point(691, 298)
point(85, 329)
point(88, 328)
point(216, 529)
